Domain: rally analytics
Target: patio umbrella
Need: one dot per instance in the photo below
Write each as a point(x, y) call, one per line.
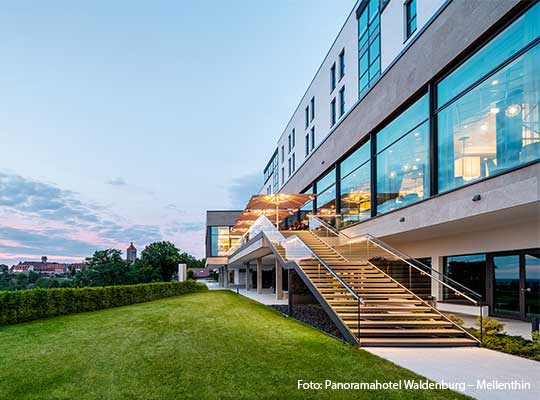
point(281, 204)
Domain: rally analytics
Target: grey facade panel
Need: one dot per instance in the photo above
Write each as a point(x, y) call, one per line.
point(222, 218)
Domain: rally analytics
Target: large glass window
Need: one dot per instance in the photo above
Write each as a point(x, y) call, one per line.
point(326, 193)
point(326, 201)
point(356, 195)
point(468, 270)
point(514, 38)
point(220, 240)
point(493, 127)
point(403, 159)
point(369, 45)
point(356, 185)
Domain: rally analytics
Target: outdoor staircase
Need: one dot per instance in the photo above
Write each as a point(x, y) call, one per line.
point(389, 315)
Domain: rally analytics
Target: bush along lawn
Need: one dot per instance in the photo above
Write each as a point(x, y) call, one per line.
point(28, 305)
point(204, 345)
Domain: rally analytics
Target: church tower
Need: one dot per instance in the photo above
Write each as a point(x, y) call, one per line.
point(131, 254)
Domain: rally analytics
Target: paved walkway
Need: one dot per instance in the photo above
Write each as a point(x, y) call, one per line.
point(468, 365)
point(266, 297)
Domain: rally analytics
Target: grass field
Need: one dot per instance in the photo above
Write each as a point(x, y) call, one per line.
point(212, 345)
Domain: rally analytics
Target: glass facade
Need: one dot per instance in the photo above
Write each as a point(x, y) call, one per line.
point(220, 240)
point(469, 270)
point(512, 39)
point(356, 195)
point(326, 197)
point(403, 159)
point(369, 45)
point(492, 127)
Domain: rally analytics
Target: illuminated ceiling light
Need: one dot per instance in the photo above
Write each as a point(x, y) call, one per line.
point(465, 126)
point(406, 167)
point(494, 110)
point(494, 82)
point(484, 127)
point(417, 160)
point(392, 174)
point(416, 134)
point(512, 110)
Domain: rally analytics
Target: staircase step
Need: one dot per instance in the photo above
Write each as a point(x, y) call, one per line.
point(400, 323)
point(391, 315)
point(411, 342)
point(380, 308)
point(409, 332)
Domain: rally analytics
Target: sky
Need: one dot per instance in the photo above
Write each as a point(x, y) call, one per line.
point(126, 120)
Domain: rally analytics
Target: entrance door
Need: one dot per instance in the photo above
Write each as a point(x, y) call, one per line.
point(516, 284)
point(506, 285)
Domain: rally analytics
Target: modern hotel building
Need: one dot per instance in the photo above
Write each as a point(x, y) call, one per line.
point(420, 130)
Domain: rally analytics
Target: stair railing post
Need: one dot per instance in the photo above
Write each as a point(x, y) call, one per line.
point(481, 323)
point(358, 322)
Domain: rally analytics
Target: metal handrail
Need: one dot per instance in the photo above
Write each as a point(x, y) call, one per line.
point(329, 227)
point(405, 258)
point(323, 263)
point(459, 289)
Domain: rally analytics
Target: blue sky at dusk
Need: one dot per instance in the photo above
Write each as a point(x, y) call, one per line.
point(127, 120)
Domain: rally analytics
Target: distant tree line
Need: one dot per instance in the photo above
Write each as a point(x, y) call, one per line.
point(158, 262)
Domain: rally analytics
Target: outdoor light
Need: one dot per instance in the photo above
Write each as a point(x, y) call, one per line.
point(402, 219)
point(494, 82)
point(476, 197)
point(494, 110)
point(512, 110)
point(484, 127)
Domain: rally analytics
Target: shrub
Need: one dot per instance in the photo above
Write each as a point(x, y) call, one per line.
point(490, 326)
point(456, 320)
point(28, 305)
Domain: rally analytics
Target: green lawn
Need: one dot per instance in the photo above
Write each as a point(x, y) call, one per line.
point(214, 345)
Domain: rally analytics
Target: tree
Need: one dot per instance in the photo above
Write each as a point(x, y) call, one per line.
point(105, 267)
point(163, 257)
point(191, 261)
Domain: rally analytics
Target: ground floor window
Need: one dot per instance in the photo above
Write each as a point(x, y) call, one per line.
point(470, 271)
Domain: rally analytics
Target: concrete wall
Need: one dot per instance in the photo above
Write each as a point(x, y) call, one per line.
point(459, 25)
point(393, 16)
point(504, 199)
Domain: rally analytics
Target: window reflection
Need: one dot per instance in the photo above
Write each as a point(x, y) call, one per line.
point(468, 270)
point(493, 127)
point(220, 240)
point(403, 171)
point(356, 195)
point(326, 201)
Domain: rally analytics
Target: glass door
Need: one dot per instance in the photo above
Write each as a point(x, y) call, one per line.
point(516, 284)
point(506, 285)
point(531, 287)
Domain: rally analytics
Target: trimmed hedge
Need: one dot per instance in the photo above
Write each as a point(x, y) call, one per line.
point(28, 305)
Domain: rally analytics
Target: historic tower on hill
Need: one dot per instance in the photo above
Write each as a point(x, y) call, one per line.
point(131, 254)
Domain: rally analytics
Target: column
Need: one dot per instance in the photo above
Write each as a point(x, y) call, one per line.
point(436, 287)
point(259, 275)
point(247, 276)
point(226, 276)
point(279, 281)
